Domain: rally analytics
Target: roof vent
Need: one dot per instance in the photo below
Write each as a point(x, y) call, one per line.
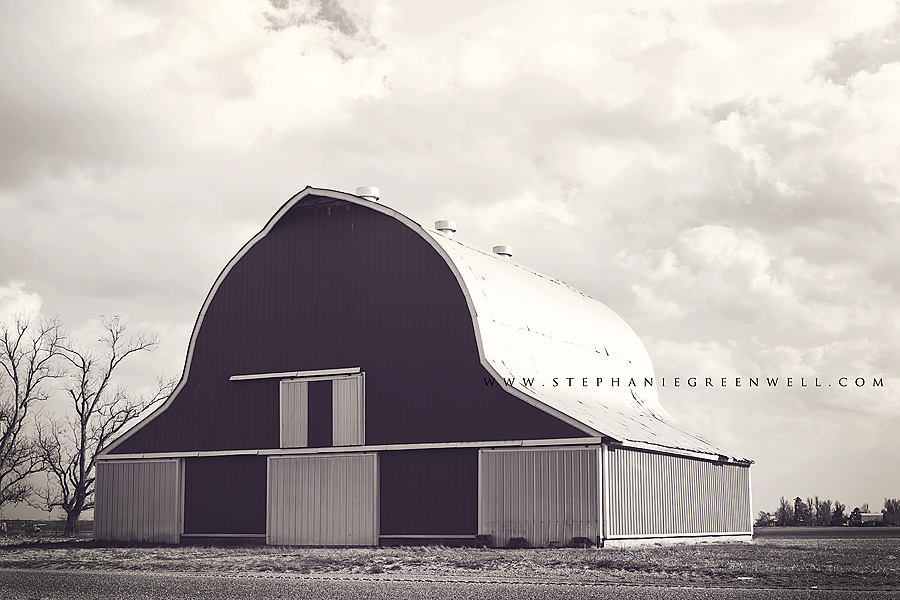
point(503, 251)
point(369, 193)
point(448, 227)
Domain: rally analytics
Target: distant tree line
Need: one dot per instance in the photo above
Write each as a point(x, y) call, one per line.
point(823, 513)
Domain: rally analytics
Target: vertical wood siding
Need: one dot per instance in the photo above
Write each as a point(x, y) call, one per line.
point(138, 501)
point(659, 494)
point(545, 495)
point(238, 485)
point(349, 411)
point(429, 492)
point(294, 414)
point(323, 501)
point(336, 284)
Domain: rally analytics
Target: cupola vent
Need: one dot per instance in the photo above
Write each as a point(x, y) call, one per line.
point(446, 227)
point(369, 193)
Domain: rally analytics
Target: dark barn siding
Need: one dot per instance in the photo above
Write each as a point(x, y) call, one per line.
point(321, 414)
point(333, 285)
point(225, 494)
point(429, 492)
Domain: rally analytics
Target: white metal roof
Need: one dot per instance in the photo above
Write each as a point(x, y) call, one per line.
point(533, 326)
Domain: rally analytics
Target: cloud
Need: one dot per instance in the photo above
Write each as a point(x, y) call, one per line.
point(525, 210)
point(290, 13)
point(16, 301)
point(865, 51)
point(65, 102)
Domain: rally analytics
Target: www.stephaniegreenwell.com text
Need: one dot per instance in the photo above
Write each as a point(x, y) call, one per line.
point(691, 382)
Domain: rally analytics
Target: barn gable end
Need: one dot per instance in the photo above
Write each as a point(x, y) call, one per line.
point(332, 285)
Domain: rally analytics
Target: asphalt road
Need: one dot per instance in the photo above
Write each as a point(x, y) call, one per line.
point(76, 585)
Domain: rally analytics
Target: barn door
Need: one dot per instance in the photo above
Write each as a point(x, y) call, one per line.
point(323, 412)
point(323, 500)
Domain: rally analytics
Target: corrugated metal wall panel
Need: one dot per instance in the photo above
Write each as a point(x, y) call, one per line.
point(349, 413)
point(138, 501)
point(429, 492)
point(333, 286)
point(225, 495)
point(323, 500)
point(543, 495)
point(294, 414)
point(661, 494)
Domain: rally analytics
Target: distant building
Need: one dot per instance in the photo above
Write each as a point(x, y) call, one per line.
point(871, 519)
point(354, 378)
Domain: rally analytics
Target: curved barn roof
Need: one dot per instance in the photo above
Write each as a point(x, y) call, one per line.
point(538, 331)
point(566, 350)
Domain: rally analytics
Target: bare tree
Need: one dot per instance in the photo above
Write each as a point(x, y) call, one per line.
point(28, 348)
point(100, 411)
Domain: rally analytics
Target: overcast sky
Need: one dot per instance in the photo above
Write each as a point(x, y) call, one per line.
point(724, 175)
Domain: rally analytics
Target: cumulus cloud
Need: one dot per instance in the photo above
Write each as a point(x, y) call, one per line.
point(291, 13)
point(16, 301)
point(525, 210)
point(866, 50)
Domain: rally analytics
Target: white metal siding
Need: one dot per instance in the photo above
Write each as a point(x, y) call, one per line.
point(349, 412)
point(543, 495)
point(138, 501)
point(294, 414)
point(663, 495)
point(323, 500)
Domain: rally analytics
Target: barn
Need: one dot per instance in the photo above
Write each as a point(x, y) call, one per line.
point(356, 379)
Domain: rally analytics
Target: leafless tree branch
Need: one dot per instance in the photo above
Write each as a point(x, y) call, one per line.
point(100, 411)
point(28, 349)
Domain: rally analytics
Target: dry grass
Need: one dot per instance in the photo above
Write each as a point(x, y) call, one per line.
point(840, 561)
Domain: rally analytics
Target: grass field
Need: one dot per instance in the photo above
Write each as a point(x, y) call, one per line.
point(826, 558)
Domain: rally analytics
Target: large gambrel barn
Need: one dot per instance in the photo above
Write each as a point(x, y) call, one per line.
point(354, 378)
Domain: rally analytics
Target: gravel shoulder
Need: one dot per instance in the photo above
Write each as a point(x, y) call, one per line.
point(81, 585)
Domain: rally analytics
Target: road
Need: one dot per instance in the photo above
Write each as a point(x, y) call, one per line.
point(20, 584)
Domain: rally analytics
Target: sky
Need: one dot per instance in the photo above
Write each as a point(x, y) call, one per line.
point(725, 175)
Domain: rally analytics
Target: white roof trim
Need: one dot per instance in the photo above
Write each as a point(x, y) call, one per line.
point(297, 374)
point(587, 442)
point(660, 449)
point(590, 441)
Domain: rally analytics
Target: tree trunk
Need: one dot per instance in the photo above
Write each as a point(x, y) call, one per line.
point(72, 521)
